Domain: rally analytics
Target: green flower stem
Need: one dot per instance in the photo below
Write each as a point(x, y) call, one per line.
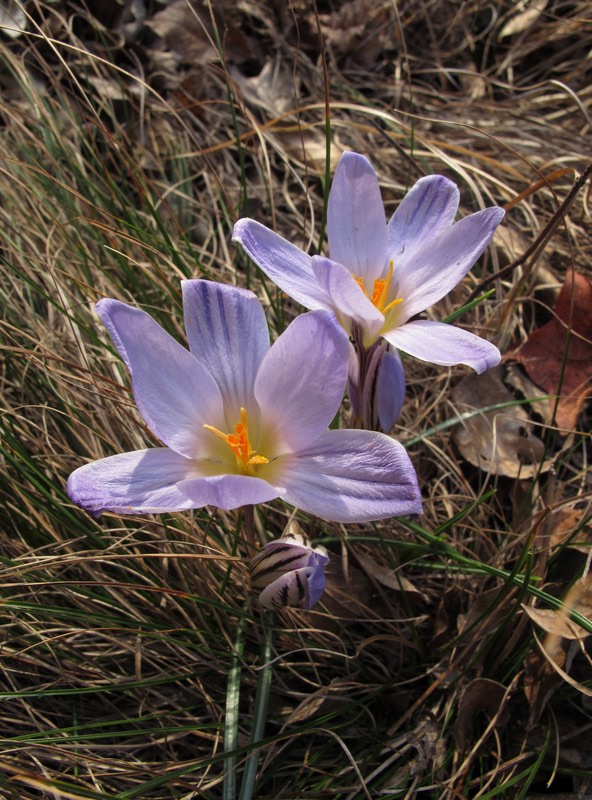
point(259, 712)
point(232, 714)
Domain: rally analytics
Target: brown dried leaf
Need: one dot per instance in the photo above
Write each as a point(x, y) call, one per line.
point(500, 442)
point(185, 31)
point(578, 598)
point(541, 404)
point(547, 349)
point(273, 88)
point(546, 667)
point(360, 28)
point(564, 523)
point(387, 577)
point(555, 622)
point(306, 709)
point(481, 694)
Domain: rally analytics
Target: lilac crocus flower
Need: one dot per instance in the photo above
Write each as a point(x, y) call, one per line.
point(379, 275)
point(242, 422)
point(290, 571)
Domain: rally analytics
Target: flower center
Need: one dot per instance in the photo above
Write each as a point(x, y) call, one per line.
point(380, 291)
point(240, 444)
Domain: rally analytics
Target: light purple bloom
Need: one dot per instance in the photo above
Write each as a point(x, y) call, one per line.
point(379, 275)
point(243, 422)
point(290, 571)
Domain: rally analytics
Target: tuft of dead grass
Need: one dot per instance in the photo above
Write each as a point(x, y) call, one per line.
point(131, 139)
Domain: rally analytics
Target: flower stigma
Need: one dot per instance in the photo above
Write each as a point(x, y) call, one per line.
point(380, 292)
point(240, 444)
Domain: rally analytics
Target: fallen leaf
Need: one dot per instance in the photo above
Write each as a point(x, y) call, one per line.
point(361, 29)
point(387, 577)
point(540, 402)
point(552, 621)
point(500, 441)
point(306, 709)
point(273, 89)
point(546, 666)
point(548, 349)
point(186, 29)
point(481, 694)
point(569, 529)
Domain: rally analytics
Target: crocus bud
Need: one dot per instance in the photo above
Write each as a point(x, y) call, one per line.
point(290, 571)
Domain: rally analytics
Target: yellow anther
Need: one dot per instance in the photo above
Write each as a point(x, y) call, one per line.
point(392, 304)
point(380, 291)
point(240, 444)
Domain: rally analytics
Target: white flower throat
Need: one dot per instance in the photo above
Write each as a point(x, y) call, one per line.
point(240, 444)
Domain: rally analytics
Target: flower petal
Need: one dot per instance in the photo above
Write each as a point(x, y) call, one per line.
point(351, 476)
point(292, 551)
point(356, 223)
point(301, 588)
point(444, 344)
point(228, 334)
point(275, 559)
point(442, 263)
point(349, 303)
point(317, 583)
point(427, 210)
point(301, 381)
point(228, 491)
point(174, 392)
point(286, 265)
point(143, 482)
point(390, 389)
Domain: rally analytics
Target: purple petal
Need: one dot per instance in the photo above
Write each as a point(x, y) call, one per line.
point(427, 210)
point(277, 558)
point(286, 265)
point(351, 476)
point(390, 389)
point(143, 482)
point(317, 583)
point(228, 491)
point(356, 223)
point(284, 555)
point(301, 381)
point(301, 588)
point(174, 393)
point(442, 263)
point(444, 344)
point(228, 334)
point(349, 303)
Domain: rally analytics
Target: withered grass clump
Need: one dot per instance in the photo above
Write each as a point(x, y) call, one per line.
point(132, 137)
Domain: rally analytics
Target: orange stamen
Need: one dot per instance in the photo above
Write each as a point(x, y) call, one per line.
point(380, 291)
point(240, 444)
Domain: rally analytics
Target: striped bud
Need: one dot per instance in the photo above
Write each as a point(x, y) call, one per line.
point(290, 571)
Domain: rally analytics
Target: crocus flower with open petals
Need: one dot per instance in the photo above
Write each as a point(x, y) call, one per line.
point(290, 570)
point(381, 275)
point(243, 423)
